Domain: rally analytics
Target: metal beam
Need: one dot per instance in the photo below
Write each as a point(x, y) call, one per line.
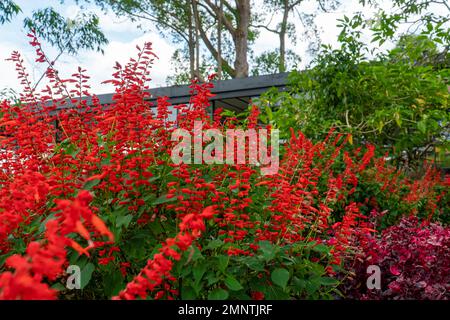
point(232, 88)
point(223, 89)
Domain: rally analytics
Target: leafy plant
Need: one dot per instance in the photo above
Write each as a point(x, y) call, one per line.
point(95, 187)
point(414, 263)
point(392, 102)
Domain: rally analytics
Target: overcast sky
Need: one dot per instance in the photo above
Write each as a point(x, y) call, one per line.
point(123, 37)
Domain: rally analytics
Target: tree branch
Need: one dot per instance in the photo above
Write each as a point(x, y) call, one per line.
point(296, 3)
point(219, 14)
point(150, 17)
point(257, 26)
point(210, 46)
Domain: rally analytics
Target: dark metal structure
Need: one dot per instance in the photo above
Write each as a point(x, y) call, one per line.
point(233, 94)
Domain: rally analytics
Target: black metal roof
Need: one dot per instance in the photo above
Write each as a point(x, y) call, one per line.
point(232, 94)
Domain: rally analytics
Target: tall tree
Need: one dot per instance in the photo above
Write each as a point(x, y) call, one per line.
point(219, 42)
point(184, 18)
point(285, 29)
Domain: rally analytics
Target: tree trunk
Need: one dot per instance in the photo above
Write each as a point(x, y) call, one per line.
point(197, 53)
point(282, 35)
point(225, 65)
point(240, 38)
point(191, 45)
point(219, 41)
point(197, 40)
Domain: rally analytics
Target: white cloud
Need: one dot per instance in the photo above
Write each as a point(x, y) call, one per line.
point(122, 34)
point(8, 73)
point(99, 67)
point(326, 22)
point(109, 22)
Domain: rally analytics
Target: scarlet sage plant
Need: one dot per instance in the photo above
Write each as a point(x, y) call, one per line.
point(94, 186)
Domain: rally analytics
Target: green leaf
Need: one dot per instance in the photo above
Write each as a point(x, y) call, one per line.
point(327, 281)
point(198, 271)
point(124, 220)
point(218, 294)
point(59, 286)
point(321, 248)
point(275, 293)
point(71, 150)
point(398, 119)
point(233, 284)
point(3, 258)
point(43, 223)
point(90, 184)
point(112, 283)
point(280, 277)
point(268, 250)
point(269, 113)
point(214, 244)
point(223, 262)
point(380, 126)
point(312, 286)
point(83, 33)
point(422, 126)
point(188, 293)
point(86, 274)
point(212, 278)
point(76, 259)
point(163, 199)
point(154, 178)
point(254, 263)
point(197, 255)
point(299, 284)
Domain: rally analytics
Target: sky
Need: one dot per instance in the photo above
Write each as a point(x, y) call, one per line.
point(123, 37)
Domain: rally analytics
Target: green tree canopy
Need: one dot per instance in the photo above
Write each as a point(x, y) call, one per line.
point(67, 35)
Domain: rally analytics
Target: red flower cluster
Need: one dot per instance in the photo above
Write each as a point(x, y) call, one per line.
point(77, 176)
point(157, 270)
point(45, 260)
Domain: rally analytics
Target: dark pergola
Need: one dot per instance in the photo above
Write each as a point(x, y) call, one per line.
point(233, 94)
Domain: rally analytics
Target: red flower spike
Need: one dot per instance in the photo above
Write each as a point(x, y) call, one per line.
point(101, 227)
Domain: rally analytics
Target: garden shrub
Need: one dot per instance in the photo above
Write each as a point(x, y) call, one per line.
point(95, 187)
point(393, 101)
point(414, 259)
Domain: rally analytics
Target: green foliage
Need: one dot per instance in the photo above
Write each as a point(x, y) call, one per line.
point(289, 11)
point(423, 16)
point(269, 61)
point(175, 20)
point(392, 101)
point(8, 9)
point(420, 50)
point(69, 35)
point(180, 68)
point(212, 274)
point(8, 94)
